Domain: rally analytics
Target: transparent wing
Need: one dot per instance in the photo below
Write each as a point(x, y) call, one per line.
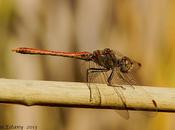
point(91, 78)
point(118, 54)
point(101, 77)
point(124, 78)
point(96, 76)
point(130, 80)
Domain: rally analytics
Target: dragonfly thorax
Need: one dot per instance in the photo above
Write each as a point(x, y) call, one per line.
point(105, 58)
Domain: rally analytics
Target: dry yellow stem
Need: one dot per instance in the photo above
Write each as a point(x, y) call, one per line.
point(73, 94)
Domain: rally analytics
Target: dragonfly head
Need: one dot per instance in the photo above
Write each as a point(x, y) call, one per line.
point(127, 65)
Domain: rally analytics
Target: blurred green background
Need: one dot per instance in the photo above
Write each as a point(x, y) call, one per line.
point(141, 29)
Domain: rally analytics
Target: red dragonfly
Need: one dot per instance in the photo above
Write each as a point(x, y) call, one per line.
point(110, 64)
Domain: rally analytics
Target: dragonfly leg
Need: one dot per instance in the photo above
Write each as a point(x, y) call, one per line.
point(124, 79)
point(120, 94)
point(110, 79)
point(90, 71)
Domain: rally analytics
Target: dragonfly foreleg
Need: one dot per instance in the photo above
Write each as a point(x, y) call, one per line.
point(124, 79)
point(109, 80)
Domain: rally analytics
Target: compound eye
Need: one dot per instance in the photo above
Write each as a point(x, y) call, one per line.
point(125, 65)
point(107, 50)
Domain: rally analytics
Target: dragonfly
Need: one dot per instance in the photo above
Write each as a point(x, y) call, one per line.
point(107, 62)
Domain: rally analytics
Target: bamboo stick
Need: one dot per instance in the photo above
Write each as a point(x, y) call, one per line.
point(74, 94)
